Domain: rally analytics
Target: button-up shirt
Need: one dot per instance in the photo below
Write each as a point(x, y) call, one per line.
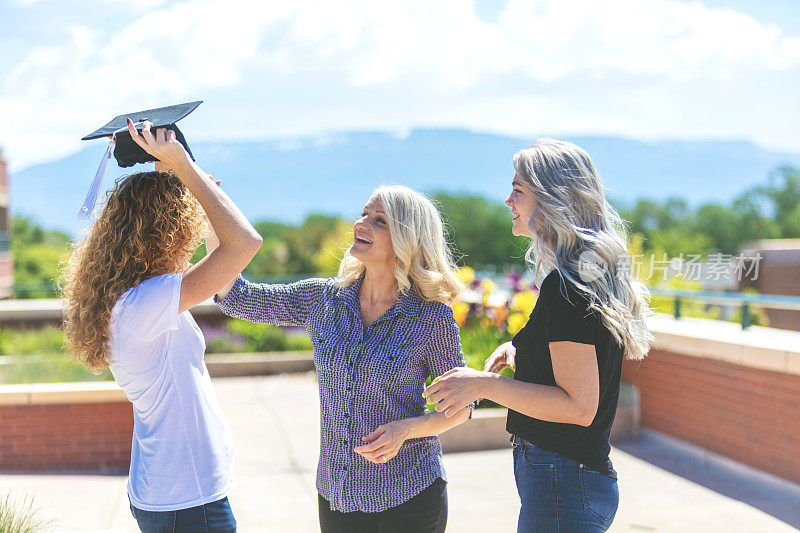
point(367, 376)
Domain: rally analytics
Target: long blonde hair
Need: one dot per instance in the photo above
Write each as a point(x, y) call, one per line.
point(424, 260)
point(149, 226)
point(573, 224)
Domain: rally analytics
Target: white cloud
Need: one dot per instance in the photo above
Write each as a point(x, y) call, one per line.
point(635, 67)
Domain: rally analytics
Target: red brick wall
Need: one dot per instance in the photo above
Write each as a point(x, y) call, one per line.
point(743, 413)
point(87, 437)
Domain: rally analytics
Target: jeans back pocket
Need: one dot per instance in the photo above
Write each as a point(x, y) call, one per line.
point(599, 493)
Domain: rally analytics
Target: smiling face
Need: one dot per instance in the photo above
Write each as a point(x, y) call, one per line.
point(523, 204)
point(372, 243)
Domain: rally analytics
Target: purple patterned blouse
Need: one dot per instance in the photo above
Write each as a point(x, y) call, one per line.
point(367, 377)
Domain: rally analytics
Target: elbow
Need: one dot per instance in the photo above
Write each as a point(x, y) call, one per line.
point(254, 242)
point(585, 416)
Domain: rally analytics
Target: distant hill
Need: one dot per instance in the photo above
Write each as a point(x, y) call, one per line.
point(285, 179)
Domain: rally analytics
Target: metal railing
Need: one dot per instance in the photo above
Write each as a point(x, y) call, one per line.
point(746, 300)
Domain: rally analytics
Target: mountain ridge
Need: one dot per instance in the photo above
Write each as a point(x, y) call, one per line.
point(287, 178)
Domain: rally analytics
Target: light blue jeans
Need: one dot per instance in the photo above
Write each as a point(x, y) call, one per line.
point(561, 495)
point(215, 517)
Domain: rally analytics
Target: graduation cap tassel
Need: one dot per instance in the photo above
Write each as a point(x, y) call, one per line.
point(94, 189)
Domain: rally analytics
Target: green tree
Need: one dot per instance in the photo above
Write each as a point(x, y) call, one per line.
point(720, 225)
point(37, 254)
point(481, 231)
point(784, 193)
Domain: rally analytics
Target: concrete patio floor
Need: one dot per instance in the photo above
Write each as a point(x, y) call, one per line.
point(663, 486)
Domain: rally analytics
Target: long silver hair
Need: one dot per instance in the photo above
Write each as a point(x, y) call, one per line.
point(577, 232)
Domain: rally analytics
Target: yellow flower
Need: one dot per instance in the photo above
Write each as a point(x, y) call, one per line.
point(516, 321)
point(488, 286)
point(460, 311)
point(465, 275)
point(524, 302)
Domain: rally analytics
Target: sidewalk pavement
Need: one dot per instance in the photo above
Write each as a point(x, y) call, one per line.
point(275, 423)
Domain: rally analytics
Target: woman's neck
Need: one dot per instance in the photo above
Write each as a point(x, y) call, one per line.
point(379, 285)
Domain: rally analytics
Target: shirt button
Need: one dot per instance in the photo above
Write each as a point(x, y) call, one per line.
point(349, 389)
point(580, 465)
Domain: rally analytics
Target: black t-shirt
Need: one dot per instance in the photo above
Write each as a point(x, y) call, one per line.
point(554, 318)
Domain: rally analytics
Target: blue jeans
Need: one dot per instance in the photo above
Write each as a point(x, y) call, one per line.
point(215, 517)
point(560, 495)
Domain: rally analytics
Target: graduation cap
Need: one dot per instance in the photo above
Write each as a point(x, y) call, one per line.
point(126, 151)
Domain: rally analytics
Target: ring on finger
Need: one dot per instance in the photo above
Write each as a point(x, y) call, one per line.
point(384, 458)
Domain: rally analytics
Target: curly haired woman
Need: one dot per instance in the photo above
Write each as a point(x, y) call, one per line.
point(128, 289)
point(380, 329)
point(590, 313)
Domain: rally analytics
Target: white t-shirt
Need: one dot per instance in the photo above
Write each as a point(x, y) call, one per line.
point(182, 453)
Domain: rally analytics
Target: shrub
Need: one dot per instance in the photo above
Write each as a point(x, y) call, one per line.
point(19, 517)
point(243, 336)
point(46, 368)
point(47, 340)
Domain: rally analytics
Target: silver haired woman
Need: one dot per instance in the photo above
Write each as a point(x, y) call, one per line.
point(590, 313)
point(379, 330)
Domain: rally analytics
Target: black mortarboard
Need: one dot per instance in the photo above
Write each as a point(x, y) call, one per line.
point(126, 151)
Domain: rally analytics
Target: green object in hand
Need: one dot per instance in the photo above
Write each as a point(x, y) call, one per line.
point(428, 399)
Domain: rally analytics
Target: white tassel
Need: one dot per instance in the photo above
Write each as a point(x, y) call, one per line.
point(94, 189)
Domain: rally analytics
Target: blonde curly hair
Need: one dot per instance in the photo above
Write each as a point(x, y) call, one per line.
point(423, 259)
point(149, 226)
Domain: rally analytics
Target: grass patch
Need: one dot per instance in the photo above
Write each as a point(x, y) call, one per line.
point(20, 516)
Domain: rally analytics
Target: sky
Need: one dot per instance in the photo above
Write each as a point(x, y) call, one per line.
point(646, 69)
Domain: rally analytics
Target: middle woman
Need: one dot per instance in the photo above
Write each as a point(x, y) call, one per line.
point(379, 330)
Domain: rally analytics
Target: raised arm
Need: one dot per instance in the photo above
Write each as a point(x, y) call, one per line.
point(238, 240)
point(212, 243)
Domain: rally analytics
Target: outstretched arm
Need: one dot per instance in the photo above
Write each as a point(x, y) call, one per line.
point(573, 400)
